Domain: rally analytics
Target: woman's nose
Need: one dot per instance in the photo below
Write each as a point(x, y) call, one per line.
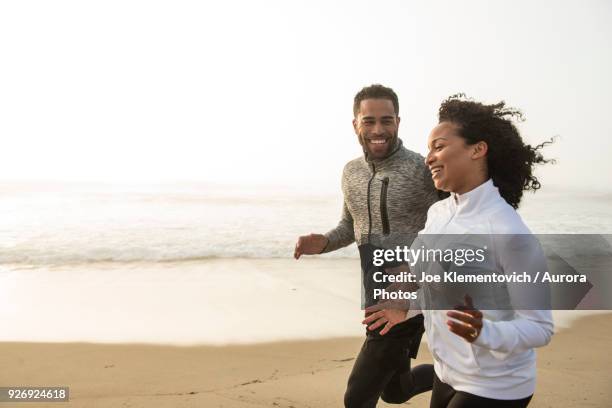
point(428, 158)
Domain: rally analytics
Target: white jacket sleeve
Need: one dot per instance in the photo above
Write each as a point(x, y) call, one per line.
point(532, 325)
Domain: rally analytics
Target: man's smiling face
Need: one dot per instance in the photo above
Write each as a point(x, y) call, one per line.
point(376, 126)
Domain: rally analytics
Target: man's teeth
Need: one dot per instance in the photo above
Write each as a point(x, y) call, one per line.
point(378, 141)
point(435, 170)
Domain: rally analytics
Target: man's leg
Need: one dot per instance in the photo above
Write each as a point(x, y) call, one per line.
point(382, 368)
point(407, 382)
point(373, 368)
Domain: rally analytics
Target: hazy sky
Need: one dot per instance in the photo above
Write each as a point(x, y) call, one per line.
point(261, 92)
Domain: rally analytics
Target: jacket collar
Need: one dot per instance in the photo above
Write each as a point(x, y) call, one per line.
point(476, 199)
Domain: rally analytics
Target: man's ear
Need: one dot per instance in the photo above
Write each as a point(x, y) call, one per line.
point(480, 150)
point(398, 120)
point(355, 126)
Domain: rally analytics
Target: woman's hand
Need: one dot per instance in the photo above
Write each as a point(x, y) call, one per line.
point(468, 320)
point(381, 315)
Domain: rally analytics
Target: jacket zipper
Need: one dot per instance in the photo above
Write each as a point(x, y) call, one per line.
point(369, 207)
point(384, 215)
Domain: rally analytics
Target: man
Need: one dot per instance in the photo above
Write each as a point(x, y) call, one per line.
point(387, 192)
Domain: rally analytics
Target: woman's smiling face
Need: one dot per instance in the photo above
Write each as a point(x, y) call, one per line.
point(454, 164)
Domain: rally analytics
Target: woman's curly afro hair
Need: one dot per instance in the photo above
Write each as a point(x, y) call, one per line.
point(510, 161)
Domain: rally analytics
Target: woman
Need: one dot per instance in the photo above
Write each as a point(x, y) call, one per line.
point(482, 358)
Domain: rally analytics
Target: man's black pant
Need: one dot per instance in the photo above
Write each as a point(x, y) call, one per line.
point(382, 368)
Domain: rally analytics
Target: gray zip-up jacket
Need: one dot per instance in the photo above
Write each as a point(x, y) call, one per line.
point(385, 201)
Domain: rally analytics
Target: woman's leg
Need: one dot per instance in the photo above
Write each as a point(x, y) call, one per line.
point(444, 396)
point(467, 400)
point(441, 394)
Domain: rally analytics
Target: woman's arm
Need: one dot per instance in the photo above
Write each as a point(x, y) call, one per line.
point(532, 325)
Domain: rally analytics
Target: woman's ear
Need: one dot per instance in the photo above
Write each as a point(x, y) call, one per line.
point(480, 150)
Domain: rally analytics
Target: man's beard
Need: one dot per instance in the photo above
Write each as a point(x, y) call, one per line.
point(391, 141)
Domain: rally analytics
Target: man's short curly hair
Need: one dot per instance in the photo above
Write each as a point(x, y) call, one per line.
point(510, 161)
point(375, 91)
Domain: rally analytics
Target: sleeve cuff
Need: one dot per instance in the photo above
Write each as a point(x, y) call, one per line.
point(484, 338)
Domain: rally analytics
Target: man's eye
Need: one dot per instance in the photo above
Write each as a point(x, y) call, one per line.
point(438, 148)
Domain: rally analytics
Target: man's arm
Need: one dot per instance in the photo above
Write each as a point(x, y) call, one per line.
point(343, 234)
point(339, 237)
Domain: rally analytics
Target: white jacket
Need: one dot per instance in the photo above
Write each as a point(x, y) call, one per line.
point(501, 363)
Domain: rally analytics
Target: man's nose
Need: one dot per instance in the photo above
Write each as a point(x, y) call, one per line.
point(378, 129)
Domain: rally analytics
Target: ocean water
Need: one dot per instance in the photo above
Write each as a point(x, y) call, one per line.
point(194, 264)
point(76, 224)
point(81, 224)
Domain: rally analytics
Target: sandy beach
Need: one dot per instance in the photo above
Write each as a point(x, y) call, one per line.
point(573, 371)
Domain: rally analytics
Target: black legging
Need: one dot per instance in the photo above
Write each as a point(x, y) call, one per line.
point(445, 396)
point(382, 370)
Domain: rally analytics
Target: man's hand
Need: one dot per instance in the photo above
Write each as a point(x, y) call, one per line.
point(388, 317)
point(312, 244)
